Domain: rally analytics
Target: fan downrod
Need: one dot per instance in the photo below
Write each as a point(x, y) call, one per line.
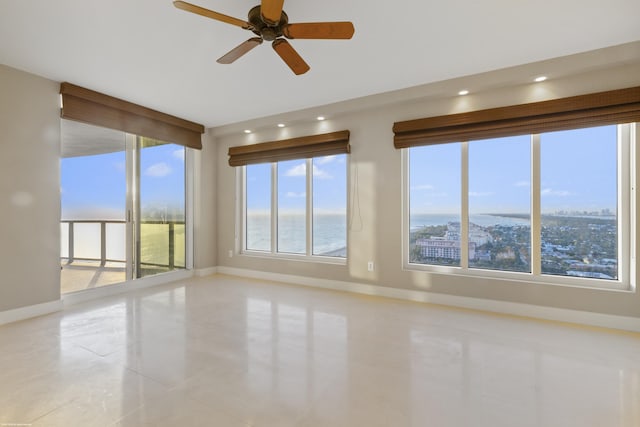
point(262, 29)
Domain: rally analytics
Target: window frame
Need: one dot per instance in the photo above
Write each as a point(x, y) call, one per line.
point(308, 256)
point(627, 137)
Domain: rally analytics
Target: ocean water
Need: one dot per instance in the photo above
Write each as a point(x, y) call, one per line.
point(483, 220)
point(329, 233)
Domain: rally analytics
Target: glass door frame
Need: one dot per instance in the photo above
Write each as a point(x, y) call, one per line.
point(131, 149)
point(134, 208)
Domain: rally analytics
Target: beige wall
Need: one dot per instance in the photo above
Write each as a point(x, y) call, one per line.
point(29, 190)
point(205, 202)
point(376, 233)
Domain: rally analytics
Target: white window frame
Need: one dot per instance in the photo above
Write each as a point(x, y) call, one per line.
point(241, 208)
point(627, 159)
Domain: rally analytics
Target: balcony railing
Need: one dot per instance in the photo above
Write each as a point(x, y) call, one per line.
point(153, 248)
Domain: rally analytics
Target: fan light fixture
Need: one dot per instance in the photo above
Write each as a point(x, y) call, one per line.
point(270, 23)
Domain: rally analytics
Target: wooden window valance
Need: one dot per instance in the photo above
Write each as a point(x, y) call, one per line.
point(290, 149)
point(597, 109)
point(88, 106)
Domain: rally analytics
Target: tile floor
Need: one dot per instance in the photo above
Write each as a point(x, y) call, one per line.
point(226, 351)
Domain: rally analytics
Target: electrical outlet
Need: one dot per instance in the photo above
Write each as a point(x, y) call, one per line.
point(230, 253)
point(370, 266)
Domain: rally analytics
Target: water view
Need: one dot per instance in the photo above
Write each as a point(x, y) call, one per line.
point(329, 233)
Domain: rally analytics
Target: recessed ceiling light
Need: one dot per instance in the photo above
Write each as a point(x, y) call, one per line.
point(463, 92)
point(540, 79)
point(247, 131)
point(320, 118)
point(280, 125)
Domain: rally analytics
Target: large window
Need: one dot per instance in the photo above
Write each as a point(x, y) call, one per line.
point(500, 204)
point(258, 207)
point(123, 203)
point(296, 207)
point(554, 206)
point(435, 205)
point(579, 202)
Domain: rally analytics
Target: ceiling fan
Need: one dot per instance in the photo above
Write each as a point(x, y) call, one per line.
point(269, 22)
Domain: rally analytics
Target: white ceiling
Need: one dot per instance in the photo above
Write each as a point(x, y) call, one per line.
point(150, 53)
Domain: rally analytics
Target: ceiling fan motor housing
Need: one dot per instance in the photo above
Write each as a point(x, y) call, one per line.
point(264, 30)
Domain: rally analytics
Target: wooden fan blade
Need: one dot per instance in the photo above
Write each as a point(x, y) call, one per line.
point(290, 56)
point(239, 50)
point(271, 11)
point(319, 30)
point(211, 14)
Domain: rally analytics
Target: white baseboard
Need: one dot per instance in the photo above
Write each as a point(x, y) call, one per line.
point(202, 272)
point(27, 312)
point(23, 313)
point(503, 307)
point(132, 285)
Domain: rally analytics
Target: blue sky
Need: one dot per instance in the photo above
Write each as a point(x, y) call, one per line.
point(578, 172)
point(329, 185)
point(94, 187)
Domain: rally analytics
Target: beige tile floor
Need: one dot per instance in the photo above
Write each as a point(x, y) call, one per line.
point(225, 351)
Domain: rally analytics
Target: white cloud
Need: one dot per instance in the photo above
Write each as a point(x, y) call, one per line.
point(522, 184)
point(297, 170)
point(179, 154)
point(422, 187)
point(158, 170)
point(324, 160)
point(480, 193)
point(320, 173)
point(558, 193)
point(301, 170)
point(294, 195)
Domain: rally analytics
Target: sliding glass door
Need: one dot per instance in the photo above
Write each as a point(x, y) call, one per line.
point(123, 201)
point(160, 207)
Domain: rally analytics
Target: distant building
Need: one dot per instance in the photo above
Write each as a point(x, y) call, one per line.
point(483, 256)
point(438, 247)
point(479, 235)
point(508, 253)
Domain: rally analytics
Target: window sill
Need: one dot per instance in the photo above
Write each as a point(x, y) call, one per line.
point(525, 278)
point(315, 259)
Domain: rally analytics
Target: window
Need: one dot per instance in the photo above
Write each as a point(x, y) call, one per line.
point(500, 204)
point(579, 200)
point(554, 205)
point(296, 207)
point(258, 207)
point(435, 209)
point(292, 205)
point(329, 206)
point(123, 207)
